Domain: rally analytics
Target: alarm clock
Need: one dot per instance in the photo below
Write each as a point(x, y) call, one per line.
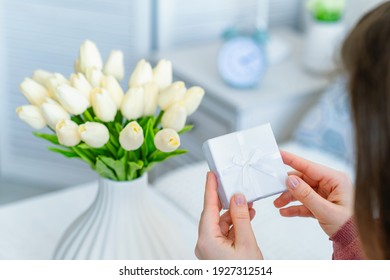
point(242, 59)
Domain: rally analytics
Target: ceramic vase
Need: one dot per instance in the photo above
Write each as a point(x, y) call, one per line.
point(322, 45)
point(127, 220)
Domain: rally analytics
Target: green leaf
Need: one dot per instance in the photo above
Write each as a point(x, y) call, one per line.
point(116, 165)
point(49, 137)
point(148, 168)
point(114, 140)
point(159, 156)
point(118, 128)
point(84, 155)
point(88, 116)
point(104, 171)
point(143, 121)
point(84, 146)
point(148, 145)
point(186, 128)
point(158, 119)
point(93, 152)
point(121, 152)
point(118, 117)
point(133, 168)
point(77, 119)
point(67, 153)
point(149, 136)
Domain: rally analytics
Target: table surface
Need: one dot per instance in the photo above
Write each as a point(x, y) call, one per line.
point(31, 228)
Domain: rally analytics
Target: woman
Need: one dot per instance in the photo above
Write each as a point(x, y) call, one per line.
point(326, 194)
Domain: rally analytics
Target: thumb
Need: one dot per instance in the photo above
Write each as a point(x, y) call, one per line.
point(307, 196)
point(241, 220)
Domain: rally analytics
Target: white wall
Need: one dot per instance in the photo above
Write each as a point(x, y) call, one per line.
point(184, 22)
point(357, 8)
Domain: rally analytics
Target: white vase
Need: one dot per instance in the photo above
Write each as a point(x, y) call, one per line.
point(127, 220)
point(322, 44)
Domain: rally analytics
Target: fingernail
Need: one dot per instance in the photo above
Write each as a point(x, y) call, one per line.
point(239, 199)
point(292, 182)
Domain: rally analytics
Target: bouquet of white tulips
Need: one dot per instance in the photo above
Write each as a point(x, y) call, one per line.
point(120, 135)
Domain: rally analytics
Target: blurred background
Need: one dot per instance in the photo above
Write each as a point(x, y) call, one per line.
point(46, 34)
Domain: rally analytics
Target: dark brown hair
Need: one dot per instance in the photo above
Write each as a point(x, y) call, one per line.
point(366, 57)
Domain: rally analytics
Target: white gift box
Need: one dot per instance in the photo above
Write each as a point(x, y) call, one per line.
point(247, 162)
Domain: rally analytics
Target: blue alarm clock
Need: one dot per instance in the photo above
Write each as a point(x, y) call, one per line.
point(242, 61)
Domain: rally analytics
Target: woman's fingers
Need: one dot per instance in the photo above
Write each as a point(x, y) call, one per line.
point(226, 222)
point(296, 211)
point(231, 235)
point(312, 170)
point(284, 199)
point(304, 177)
point(211, 199)
point(243, 233)
point(308, 197)
point(209, 221)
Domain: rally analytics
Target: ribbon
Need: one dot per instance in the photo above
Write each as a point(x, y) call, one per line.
point(241, 165)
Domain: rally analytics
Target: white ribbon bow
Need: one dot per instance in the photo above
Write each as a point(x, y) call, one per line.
point(241, 166)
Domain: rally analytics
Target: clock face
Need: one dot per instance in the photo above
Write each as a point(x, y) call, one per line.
point(241, 62)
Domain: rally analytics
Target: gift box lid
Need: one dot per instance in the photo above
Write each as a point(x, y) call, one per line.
point(246, 161)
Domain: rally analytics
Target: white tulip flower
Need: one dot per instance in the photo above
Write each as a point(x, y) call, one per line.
point(79, 82)
point(94, 76)
point(131, 137)
point(61, 78)
point(114, 89)
point(76, 65)
point(162, 74)
point(171, 94)
point(94, 134)
point(53, 112)
point(72, 99)
point(41, 76)
point(34, 92)
point(150, 99)
point(31, 115)
point(54, 82)
point(89, 57)
point(133, 103)
point(115, 65)
point(142, 74)
point(103, 105)
point(167, 140)
point(68, 133)
point(192, 99)
point(174, 117)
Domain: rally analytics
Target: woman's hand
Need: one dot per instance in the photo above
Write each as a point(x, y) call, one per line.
point(325, 194)
point(229, 236)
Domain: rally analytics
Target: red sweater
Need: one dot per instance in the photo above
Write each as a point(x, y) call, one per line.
point(346, 244)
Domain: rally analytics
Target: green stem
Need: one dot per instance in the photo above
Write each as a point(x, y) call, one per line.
point(153, 154)
point(84, 156)
point(78, 119)
point(111, 148)
point(88, 116)
point(158, 119)
point(126, 158)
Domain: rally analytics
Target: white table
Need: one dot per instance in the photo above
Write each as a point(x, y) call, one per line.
point(30, 229)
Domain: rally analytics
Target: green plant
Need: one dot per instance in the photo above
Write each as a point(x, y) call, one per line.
point(327, 10)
